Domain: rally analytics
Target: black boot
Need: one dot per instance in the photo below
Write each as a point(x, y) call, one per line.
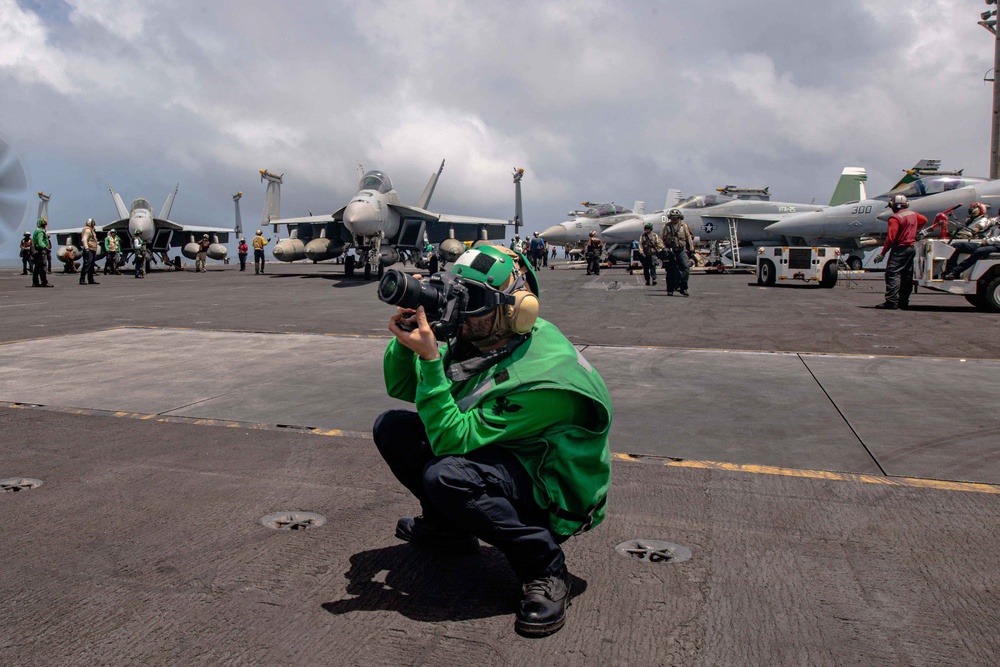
point(418, 530)
point(543, 608)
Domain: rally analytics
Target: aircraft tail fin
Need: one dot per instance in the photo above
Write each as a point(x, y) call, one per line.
point(169, 204)
point(43, 205)
point(119, 204)
point(272, 199)
point(850, 187)
point(639, 207)
point(673, 198)
point(425, 196)
point(239, 221)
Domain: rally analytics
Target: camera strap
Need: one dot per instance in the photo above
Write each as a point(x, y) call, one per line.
point(463, 370)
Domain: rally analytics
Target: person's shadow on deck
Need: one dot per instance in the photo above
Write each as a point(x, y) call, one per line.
point(431, 586)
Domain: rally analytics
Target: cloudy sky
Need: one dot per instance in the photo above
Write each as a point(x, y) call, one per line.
point(597, 99)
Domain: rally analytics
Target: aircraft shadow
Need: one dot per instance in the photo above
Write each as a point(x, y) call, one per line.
point(939, 309)
point(432, 587)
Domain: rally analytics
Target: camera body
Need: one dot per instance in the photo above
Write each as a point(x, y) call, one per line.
point(443, 295)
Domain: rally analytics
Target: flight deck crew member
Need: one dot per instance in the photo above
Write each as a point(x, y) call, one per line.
point(241, 251)
point(592, 252)
point(199, 262)
point(112, 245)
point(27, 251)
point(139, 247)
point(258, 251)
point(41, 244)
point(509, 441)
point(987, 232)
point(679, 243)
point(88, 239)
point(650, 247)
point(903, 226)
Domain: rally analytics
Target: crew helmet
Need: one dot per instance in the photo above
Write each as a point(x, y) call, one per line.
point(977, 209)
point(648, 225)
point(260, 233)
point(90, 222)
point(27, 233)
point(535, 234)
point(500, 270)
point(204, 236)
point(899, 201)
point(593, 234)
point(675, 214)
point(42, 222)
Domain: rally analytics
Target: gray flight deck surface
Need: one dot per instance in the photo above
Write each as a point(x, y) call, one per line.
point(143, 545)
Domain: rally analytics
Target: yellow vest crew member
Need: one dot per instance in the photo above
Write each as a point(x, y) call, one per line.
point(258, 251)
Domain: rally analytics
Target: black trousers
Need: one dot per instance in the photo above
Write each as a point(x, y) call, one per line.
point(243, 261)
point(677, 268)
point(27, 264)
point(648, 268)
point(87, 272)
point(975, 251)
point(899, 275)
point(486, 492)
point(258, 260)
point(38, 276)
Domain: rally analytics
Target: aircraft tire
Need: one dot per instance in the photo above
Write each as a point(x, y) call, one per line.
point(991, 296)
point(368, 271)
point(349, 266)
point(829, 278)
point(433, 264)
point(854, 263)
point(765, 273)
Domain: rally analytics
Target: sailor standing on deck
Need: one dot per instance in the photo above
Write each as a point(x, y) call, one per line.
point(41, 244)
point(258, 251)
point(88, 239)
point(903, 226)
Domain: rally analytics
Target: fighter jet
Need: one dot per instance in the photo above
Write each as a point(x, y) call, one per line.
point(381, 230)
point(739, 215)
point(856, 225)
point(160, 233)
point(597, 217)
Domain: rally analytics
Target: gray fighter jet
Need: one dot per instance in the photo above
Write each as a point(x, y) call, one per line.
point(160, 233)
point(381, 230)
point(597, 217)
point(856, 225)
point(739, 214)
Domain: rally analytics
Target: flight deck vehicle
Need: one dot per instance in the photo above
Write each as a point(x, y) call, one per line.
point(980, 284)
point(809, 264)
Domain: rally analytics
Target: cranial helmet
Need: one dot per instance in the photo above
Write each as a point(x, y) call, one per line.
point(535, 234)
point(593, 234)
point(259, 233)
point(977, 209)
point(899, 201)
point(42, 222)
point(204, 236)
point(648, 225)
point(675, 214)
point(27, 233)
point(501, 270)
point(90, 222)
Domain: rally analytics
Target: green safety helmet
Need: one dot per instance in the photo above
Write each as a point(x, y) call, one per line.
point(42, 222)
point(493, 266)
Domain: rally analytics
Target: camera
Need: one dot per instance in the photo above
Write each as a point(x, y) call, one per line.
point(443, 295)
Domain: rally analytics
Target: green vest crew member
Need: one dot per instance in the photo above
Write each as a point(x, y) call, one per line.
point(41, 245)
point(509, 441)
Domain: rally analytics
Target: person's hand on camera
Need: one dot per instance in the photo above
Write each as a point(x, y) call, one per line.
point(420, 339)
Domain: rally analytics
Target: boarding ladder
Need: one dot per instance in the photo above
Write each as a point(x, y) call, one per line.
point(734, 241)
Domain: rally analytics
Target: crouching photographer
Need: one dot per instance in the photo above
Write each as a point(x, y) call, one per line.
point(509, 441)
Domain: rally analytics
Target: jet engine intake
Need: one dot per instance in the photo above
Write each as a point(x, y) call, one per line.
point(290, 250)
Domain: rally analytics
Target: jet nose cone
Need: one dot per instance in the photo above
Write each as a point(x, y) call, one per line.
point(556, 235)
point(361, 218)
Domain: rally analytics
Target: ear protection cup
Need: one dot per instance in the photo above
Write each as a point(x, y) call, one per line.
point(523, 313)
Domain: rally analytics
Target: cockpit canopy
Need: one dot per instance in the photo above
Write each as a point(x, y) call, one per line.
point(375, 180)
point(703, 201)
point(604, 210)
point(141, 203)
point(931, 185)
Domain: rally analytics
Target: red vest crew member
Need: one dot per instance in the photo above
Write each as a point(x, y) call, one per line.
point(903, 226)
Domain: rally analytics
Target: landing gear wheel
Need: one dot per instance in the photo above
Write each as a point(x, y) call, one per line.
point(177, 263)
point(719, 267)
point(765, 273)
point(433, 264)
point(991, 296)
point(829, 278)
point(854, 263)
point(349, 266)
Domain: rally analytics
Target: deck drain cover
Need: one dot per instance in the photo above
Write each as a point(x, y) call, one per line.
point(654, 551)
point(293, 520)
point(15, 484)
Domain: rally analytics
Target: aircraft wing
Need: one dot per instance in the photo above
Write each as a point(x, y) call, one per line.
point(308, 219)
point(448, 219)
